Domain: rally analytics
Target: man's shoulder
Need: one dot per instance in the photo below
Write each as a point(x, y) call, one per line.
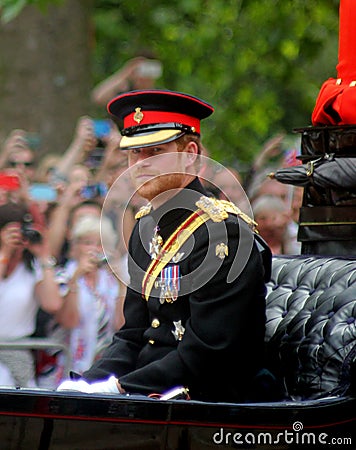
point(143, 211)
point(219, 210)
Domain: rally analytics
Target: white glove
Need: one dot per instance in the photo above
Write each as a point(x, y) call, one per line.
point(106, 387)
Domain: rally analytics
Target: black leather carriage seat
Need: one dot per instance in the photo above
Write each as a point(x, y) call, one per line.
point(311, 325)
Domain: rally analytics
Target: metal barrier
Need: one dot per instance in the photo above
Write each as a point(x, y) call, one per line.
point(38, 344)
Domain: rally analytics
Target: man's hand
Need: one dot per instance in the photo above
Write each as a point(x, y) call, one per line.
point(110, 386)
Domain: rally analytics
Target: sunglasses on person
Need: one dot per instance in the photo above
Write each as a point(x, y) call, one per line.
point(20, 163)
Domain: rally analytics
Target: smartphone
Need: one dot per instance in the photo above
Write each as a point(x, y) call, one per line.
point(33, 140)
point(9, 182)
point(102, 128)
point(150, 69)
point(94, 190)
point(95, 157)
point(43, 192)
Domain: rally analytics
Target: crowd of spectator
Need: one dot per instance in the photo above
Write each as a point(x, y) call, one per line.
point(55, 278)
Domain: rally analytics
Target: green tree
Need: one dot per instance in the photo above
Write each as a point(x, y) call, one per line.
point(45, 71)
point(259, 62)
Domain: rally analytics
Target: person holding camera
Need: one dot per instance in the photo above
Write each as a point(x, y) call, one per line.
point(84, 141)
point(140, 72)
point(93, 305)
point(18, 158)
point(27, 282)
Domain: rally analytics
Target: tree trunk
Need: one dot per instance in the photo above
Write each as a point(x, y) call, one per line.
point(45, 72)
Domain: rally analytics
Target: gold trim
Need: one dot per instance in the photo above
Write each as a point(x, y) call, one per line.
point(143, 211)
point(139, 140)
point(213, 207)
point(326, 223)
point(233, 209)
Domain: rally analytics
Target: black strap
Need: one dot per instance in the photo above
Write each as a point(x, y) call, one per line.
point(266, 256)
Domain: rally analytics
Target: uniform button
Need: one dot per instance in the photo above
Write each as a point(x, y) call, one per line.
point(151, 341)
point(155, 323)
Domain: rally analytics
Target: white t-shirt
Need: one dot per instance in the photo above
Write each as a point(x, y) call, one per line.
point(18, 305)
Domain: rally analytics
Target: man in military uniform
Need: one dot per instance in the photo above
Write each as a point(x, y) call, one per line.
point(195, 306)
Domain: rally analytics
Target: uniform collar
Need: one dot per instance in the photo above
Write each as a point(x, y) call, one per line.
point(180, 206)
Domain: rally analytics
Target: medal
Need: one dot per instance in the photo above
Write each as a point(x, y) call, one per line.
point(178, 331)
point(170, 284)
point(155, 244)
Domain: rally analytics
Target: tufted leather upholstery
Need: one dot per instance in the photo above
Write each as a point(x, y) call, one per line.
point(311, 324)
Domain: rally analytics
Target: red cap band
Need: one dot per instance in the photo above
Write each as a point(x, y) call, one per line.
point(140, 117)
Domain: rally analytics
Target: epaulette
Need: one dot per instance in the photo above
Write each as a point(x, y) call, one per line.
point(218, 210)
point(213, 207)
point(143, 211)
point(233, 209)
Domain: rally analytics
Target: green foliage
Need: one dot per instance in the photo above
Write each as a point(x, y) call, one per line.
point(260, 63)
point(12, 8)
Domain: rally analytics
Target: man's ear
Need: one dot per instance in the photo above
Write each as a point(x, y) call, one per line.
point(191, 151)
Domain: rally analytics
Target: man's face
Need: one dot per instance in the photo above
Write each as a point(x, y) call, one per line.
point(157, 169)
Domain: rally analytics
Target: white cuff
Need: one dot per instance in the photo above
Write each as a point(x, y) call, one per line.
point(108, 386)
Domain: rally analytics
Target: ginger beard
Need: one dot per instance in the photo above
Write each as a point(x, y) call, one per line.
point(164, 173)
point(159, 184)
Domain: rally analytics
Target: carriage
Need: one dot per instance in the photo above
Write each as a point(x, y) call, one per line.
point(310, 346)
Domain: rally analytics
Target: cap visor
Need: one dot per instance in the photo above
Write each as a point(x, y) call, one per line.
point(149, 139)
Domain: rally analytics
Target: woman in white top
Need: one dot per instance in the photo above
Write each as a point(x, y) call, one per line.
point(93, 306)
point(27, 283)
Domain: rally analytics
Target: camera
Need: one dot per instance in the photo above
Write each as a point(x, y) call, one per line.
point(43, 192)
point(95, 157)
point(94, 190)
point(28, 231)
point(101, 259)
point(102, 128)
point(150, 69)
point(9, 181)
point(33, 140)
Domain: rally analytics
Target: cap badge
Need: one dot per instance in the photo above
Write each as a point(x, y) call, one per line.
point(138, 116)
